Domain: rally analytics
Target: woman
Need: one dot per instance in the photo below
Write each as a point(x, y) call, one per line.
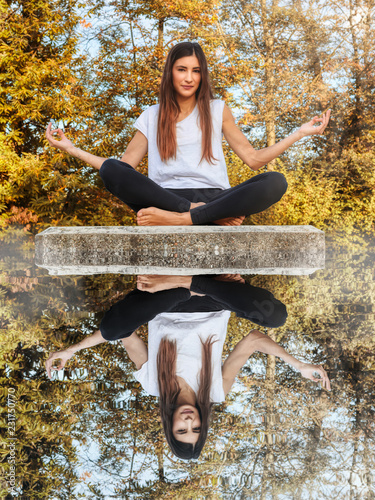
point(188, 182)
point(187, 325)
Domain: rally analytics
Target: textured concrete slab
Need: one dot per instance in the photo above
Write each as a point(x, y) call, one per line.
point(181, 250)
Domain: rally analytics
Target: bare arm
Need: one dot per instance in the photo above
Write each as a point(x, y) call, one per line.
point(134, 153)
point(136, 349)
point(256, 159)
point(136, 150)
point(235, 361)
point(94, 339)
point(257, 341)
point(64, 144)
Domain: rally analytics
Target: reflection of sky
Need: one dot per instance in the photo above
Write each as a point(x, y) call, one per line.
point(145, 469)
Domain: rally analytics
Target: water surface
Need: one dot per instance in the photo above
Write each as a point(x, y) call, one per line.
point(92, 432)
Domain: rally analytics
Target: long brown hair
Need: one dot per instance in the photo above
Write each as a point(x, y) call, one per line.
point(169, 391)
point(169, 108)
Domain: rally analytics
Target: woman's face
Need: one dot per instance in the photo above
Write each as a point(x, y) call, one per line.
point(186, 74)
point(186, 424)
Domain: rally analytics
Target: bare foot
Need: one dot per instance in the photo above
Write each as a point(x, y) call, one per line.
point(156, 217)
point(194, 205)
point(152, 283)
point(230, 221)
point(156, 283)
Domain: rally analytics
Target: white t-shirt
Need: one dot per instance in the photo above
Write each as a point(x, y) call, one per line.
point(187, 329)
point(186, 170)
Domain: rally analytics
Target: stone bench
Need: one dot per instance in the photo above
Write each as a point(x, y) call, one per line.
point(293, 250)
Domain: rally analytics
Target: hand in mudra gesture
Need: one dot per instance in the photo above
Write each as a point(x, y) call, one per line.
point(63, 143)
point(309, 371)
point(311, 127)
point(62, 356)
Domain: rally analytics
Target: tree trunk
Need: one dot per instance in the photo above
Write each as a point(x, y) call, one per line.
point(269, 77)
point(268, 467)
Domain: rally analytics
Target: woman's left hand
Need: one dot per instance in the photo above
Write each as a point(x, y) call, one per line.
point(310, 371)
point(62, 356)
point(310, 128)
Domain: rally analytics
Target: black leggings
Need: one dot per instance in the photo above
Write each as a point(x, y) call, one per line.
point(137, 308)
point(138, 191)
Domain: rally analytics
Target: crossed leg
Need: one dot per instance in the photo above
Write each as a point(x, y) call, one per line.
point(158, 206)
point(226, 208)
point(139, 192)
point(250, 197)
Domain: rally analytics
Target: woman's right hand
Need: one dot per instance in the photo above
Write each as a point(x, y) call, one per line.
point(63, 143)
point(62, 356)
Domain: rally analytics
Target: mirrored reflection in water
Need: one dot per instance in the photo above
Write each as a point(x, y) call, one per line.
point(95, 428)
point(181, 365)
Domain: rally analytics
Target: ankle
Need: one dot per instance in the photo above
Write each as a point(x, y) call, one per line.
point(187, 218)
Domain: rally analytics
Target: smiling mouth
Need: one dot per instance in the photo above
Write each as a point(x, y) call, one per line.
point(187, 411)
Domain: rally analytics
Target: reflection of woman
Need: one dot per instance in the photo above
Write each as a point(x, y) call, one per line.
point(187, 329)
point(188, 181)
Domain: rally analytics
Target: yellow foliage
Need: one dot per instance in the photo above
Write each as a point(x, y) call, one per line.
point(316, 198)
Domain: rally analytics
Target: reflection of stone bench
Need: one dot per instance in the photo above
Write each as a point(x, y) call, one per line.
point(181, 250)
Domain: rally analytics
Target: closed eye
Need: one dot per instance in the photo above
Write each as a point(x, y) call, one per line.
point(196, 430)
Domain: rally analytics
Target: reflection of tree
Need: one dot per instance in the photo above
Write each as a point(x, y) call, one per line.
point(268, 468)
point(45, 430)
point(276, 434)
point(360, 381)
point(338, 319)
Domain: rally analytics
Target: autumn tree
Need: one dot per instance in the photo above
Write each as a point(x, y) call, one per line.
point(354, 34)
point(38, 81)
point(281, 54)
